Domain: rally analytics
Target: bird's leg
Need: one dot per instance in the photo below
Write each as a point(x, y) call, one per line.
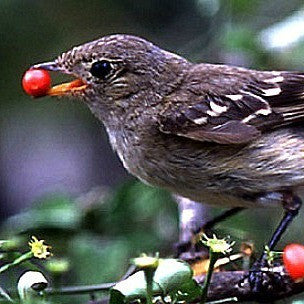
point(291, 204)
point(221, 217)
point(191, 216)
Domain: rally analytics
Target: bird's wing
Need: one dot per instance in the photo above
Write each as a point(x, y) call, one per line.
point(264, 101)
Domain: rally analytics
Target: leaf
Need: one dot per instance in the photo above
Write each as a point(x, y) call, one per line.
point(29, 286)
point(104, 259)
point(56, 212)
point(171, 274)
point(172, 277)
point(132, 288)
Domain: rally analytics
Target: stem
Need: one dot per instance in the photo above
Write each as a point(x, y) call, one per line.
point(24, 257)
point(213, 256)
point(149, 274)
point(70, 290)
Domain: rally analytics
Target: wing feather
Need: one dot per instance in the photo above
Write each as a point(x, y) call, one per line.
point(254, 103)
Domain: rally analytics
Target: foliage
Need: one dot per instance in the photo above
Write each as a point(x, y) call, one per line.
point(172, 278)
point(92, 242)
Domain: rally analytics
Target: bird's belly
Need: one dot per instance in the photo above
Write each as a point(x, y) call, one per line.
point(218, 175)
point(194, 190)
point(183, 180)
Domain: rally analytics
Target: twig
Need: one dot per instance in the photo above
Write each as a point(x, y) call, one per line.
point(71, 290)
point(129, 272)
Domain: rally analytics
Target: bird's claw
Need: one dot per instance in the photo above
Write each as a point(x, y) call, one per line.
point(258, 279)
point(262, 281)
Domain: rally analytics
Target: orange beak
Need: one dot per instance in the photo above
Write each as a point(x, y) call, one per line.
point(67, 88)
point(63, 88)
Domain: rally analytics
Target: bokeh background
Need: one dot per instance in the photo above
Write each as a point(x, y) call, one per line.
point(58, 175)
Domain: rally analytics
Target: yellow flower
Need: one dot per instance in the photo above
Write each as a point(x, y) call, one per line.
point(145, 261)
point(217, 245)
point(39, 249)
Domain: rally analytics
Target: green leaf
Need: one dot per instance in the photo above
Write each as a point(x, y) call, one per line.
point(30, 284)
point(104, 259)
point(172, 277)
point(171, 274)
point(57, 212)
point(132, 288)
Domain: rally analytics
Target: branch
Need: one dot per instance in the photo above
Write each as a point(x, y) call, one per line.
point(229, 284)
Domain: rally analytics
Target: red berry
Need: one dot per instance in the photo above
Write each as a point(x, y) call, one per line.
point(36, 82)
point(293, 258)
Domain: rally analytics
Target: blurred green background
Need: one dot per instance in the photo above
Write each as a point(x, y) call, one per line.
point(59, 178)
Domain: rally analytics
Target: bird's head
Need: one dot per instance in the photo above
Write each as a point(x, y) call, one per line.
point(113, 70)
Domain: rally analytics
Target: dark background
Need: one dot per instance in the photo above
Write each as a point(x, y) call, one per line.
point(54, 152)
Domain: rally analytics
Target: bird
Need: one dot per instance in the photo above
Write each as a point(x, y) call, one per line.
point(217, 134)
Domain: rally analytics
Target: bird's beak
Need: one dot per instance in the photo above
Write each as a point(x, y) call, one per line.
point(49, 66)
point(64, 88)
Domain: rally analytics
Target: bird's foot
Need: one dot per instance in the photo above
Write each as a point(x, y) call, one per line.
point(263, 281)
point(258, 278)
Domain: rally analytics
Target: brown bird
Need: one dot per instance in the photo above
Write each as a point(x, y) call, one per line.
point(217, 134)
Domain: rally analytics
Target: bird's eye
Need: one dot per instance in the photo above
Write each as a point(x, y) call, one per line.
point(101, 69)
